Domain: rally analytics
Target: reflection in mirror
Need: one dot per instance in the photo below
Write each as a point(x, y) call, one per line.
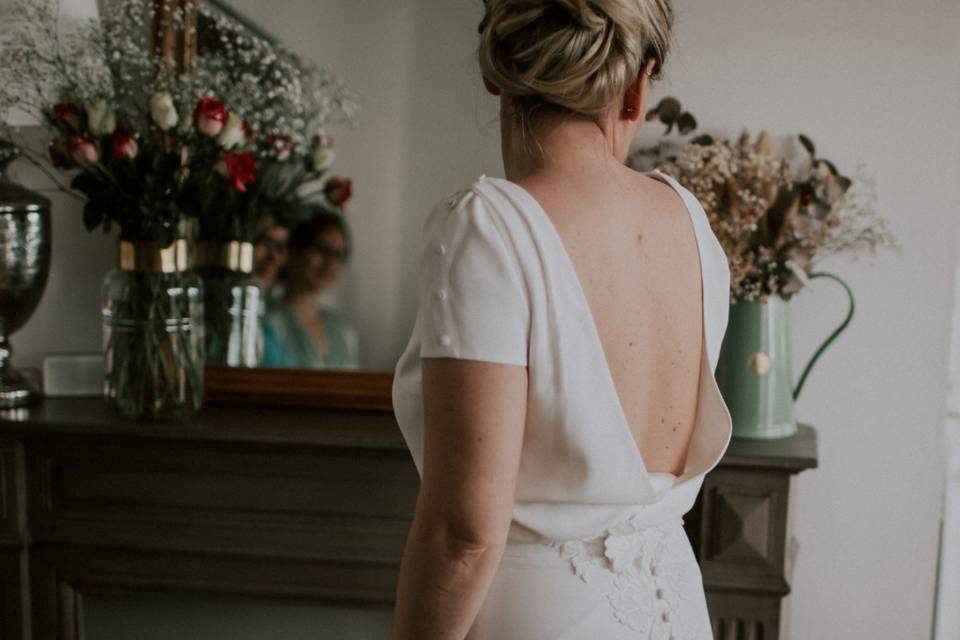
point(297, 267)
point(299, 253)
point(413, 67)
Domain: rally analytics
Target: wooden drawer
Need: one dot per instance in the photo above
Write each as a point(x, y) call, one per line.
point(276, 500)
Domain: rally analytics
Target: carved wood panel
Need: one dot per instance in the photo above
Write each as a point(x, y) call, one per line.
point(745, 514)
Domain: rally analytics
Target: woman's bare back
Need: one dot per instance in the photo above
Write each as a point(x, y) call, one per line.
point(631, 241)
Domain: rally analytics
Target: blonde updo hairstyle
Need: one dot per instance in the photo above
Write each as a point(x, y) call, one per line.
point(570, 56)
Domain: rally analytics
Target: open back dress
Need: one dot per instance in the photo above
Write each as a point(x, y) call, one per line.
point(596, 548)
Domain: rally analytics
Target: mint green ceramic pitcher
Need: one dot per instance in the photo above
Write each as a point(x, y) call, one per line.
point(754, 369)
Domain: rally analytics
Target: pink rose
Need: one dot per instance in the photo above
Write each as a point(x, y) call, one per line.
point(82, 150)
point(124, 145)
point(281, 144)
point(210, 116)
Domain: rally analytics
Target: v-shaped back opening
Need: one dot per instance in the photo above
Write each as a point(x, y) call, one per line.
point(624, 426)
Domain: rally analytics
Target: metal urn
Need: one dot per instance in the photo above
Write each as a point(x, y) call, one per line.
point(24, 265)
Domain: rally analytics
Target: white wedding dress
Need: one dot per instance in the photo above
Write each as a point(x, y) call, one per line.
point(596, 548)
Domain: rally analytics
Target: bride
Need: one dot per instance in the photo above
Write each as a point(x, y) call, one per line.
point(557, 392)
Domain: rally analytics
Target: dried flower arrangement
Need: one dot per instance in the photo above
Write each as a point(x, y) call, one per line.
point(774, 222)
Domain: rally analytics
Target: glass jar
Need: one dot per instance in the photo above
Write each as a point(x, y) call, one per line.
point(233, 303)
point(153, 332)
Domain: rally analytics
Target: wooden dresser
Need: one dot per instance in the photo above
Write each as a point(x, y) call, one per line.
point(295, 504)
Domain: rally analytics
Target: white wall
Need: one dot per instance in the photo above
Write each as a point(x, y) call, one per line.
point(871, 81)
point(851, 75)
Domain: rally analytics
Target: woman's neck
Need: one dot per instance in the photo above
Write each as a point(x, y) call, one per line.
point(563, 146)
point(301, 302)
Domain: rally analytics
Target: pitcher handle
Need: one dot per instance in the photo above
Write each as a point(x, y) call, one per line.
point(832, 336)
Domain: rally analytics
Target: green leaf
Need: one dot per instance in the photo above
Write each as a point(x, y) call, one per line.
point(830, 165)
point(668, 110)
point(686, 122)
point(86, 183)
point(705, 140)
point(807, 144)
point(92, 215)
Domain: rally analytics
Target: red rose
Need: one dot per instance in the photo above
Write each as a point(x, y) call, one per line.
point(67, 115)
point(338, 190)
point(247, 129)
point(82, 150)
point(210, 116)
point(238, 168)
point(124, 146)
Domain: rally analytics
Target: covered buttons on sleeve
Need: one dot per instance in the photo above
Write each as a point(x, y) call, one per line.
point(473, 302)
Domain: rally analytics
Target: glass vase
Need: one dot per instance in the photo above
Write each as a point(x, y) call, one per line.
point(153, 333)
point(233, 303)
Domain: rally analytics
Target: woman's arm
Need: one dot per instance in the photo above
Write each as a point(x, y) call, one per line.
point(474, 414)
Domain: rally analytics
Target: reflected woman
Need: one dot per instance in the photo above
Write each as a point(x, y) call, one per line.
point(298, 330)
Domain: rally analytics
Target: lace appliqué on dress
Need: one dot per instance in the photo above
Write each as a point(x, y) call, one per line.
point(653, 575)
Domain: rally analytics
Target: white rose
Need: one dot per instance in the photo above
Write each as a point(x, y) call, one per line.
point(162, 111)
point(232, 133)
point(101, 118)
point(322, 158)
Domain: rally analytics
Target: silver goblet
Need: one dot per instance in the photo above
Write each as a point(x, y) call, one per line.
point(24, 265)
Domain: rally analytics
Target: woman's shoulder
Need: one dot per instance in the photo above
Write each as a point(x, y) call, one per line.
point(484, 212)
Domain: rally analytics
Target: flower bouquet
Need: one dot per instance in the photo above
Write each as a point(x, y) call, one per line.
point(126, 167)
point(775, 223)
point(144, 145)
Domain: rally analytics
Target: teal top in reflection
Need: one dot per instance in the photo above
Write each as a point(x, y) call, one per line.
point(286, 343)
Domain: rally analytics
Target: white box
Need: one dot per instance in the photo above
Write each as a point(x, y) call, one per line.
point(73, 374)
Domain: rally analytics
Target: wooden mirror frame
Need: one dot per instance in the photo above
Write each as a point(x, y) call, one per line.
point(310, 388)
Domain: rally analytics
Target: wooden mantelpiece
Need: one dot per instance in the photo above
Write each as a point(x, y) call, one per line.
point(291, 503)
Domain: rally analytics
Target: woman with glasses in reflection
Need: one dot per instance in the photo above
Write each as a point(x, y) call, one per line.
point(298, 330)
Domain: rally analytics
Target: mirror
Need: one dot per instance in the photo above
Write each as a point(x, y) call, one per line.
point(426, 129)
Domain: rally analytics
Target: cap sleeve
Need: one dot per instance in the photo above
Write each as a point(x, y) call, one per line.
point(472, 300)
